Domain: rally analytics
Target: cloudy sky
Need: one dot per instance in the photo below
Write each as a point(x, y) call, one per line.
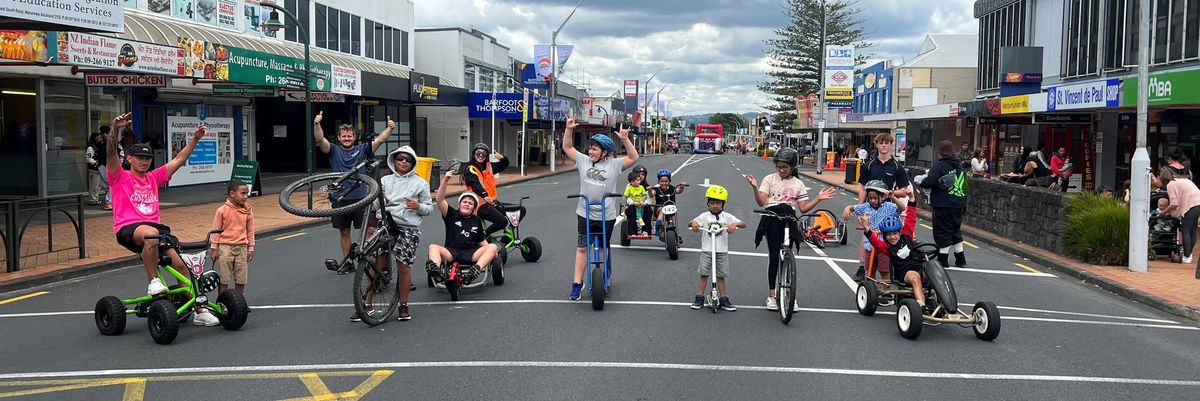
point(714, 47)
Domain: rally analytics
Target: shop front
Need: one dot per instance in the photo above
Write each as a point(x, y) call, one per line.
point(1173, 120)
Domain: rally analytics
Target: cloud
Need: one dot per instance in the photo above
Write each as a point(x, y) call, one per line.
point(714, 48)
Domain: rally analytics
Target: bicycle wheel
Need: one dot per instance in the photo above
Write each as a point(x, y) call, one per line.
point(787, 286)
point(323, 184)
point(598, 286)
point(376, 291)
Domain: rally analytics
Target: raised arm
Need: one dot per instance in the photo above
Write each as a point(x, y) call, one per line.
point(319, 134)
point(826, 193)
point(631, 153)
point(113, 160)
point(383, 136)
point(439, 198)
point(569, 139)
point(181, 157)
point(759, 196)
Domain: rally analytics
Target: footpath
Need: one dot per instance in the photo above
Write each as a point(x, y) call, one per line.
point(1170, 287)
point(188, 222)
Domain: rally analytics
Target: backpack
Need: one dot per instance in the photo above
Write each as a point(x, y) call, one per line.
point(954, 182)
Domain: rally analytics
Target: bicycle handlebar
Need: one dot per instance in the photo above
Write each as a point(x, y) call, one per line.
point(589, 200)
point(775, 215)
point(185, 245)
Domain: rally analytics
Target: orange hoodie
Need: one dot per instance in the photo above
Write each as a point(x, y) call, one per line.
point(238, 224)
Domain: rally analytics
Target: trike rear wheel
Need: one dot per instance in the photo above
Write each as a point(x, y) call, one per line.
point(163, 321)
point(110, 316)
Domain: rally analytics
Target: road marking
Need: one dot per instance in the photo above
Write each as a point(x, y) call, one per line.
point(626, 365)
point(1004, 272)
point(970, 244)
point(833, 266)
point(23, 297)
point(316, 387)
point(290, 236)
point(135, 387)
point(926, 226)
point(1142, 319)
point(760, 255)
point(135, 391)
point(67, 387)
point(1027, 268)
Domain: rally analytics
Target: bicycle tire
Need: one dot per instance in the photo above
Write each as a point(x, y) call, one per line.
point(286, 195)
point(384, 283)
point(786, 279)
point(597, 287)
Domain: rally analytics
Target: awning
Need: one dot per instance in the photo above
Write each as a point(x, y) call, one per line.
point(154, 29)
point(918, 113)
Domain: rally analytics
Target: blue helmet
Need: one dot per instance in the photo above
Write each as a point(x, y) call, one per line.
point(889, 224)
point(664, 173)
point(604, 141)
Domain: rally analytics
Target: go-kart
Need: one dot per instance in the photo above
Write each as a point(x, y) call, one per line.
point(164, 312)
point(453, 280)
point(984, 318)
point(821, 227)
point(664, 230)
point(510, 238)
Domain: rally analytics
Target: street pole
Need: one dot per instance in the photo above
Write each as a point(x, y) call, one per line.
point(493, 120)
point(659, 134)
point(308, 118)
point(524, 121)
point(1139, 188)
point(554, 86)
point(821, 94)
point(646, 95)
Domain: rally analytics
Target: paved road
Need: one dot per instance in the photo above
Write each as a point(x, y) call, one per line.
point(524, 340)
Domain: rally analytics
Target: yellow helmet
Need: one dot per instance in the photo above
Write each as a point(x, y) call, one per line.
point(717, 192)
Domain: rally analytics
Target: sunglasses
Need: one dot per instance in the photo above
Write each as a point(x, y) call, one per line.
point(408, 160)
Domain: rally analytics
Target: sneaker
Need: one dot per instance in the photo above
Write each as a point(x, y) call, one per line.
point(927, 309)
point(576, 288)
point(404, 313)
point(698, 302)
point(354, 318)
point(861, 274)
point(886, 302)
point(434, 271)
point(726, 305)
point(1187, 259)
point(156, 287)
point(471, 273)
point(795, 306)
point(205, 318)
point(772, 305)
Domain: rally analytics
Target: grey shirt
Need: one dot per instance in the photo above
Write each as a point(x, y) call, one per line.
point(598, 179)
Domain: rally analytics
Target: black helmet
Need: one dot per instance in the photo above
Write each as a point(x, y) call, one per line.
point(640, 169)
point(787, 155)
point(483, 146)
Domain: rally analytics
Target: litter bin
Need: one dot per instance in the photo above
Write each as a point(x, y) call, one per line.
point(429, 170)
point(853, 167)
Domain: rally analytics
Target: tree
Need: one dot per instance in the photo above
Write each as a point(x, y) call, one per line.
point(675, 122)
point(795, 52)
point(731, 122)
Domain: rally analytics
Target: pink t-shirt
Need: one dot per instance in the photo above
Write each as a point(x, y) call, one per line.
point(1184, 195)
point(134, 199)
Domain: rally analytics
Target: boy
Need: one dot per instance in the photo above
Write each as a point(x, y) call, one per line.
point(466, 243)
point(635, 197)
point(1161, 224)
point(870, 213)
point(233, 249)
point(884, 168)
point(717, 196)
point(664, 192)
point(901, 254)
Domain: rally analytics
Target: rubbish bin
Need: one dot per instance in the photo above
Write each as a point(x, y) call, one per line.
point(429, 170)
point(853, 167)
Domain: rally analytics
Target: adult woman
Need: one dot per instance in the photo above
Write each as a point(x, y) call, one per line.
point(946, 182)
point(784, 194)
point(479, 177)
point(1178, 162)
point(979, 165)
point(1025, 174)
point(1185, 206)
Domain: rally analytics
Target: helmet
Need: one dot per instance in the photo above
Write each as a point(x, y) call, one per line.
point(889, 224)
point(604, 141)
point(639, 169)
point(479, 146)
point(664, 173)
point(717, 192)
point(876, 185)
point(469, 195)
point(787, 155)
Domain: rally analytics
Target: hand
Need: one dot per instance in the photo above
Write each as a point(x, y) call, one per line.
point(900, 192)
point(411, 204)
point(390, 124)
point(623, 133)
point(489, 199)
point(200, 131)
point(864, 220)
point(321, 115)
point(826, 193)
point(121, 121)
point(753, 182)
point(250, 256)
point(695, 228)
point(571, 123)
point(731, 228)
point(846, 215)
point(498, 155)
point(213, 252)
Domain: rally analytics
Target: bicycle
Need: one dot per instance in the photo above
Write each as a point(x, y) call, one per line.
point(164, 311)
point(785, 279)
point(600, 267)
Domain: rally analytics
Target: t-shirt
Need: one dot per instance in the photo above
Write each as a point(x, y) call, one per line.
point(890, 172)
point(342, 160)
point(875, 215)
point(722, 241)
point(663, 195)
point(635, 194)
point(462, 232)
point(791, 191)
point(595, 180)
point(1183, 194)
point(135, 199)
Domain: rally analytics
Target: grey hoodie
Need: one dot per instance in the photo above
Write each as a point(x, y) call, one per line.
point(398, 187)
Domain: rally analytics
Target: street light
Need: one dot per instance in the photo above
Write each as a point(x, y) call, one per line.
point(554, 84)
point(274, 24)
point(646, 93)
point(658, 113)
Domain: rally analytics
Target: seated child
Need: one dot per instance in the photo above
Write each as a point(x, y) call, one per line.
point(870, 213)
point(1161, 224)
point(638, 211)
point(901, 252)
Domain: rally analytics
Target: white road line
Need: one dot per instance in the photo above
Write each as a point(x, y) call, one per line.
point(604, 365)
point(755, 254)
point(836, 269)
point(1140, 319)
point(1010, 273)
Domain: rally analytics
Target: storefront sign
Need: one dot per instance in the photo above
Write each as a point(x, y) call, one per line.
point(126, 80)
point(247, 171)
point(243, 90)
point(24, 45)
point(1022, 77)
point(1098, 94)
point(1166, 89)
point(508, 105)
point(1062, 118)
point(212, 161)
point(1014, 104)
point(317, 97)
point(839, 74)
point(424, 86)
point(346, 80)
point(101, 51)
point(90, 15)
point(256, 67)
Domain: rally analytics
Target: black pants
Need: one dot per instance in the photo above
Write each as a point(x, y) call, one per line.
point(1062, 183)
point(947, 226)
point(494, 217)
point(631, 217)
point(774, 242)
point(1188, 229)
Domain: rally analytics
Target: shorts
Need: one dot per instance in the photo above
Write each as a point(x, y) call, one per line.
point(125, 235)
point(232, 261)
point(342, 221)
point(581, 226)
point(883, 262)
point(705, 267)
point(464, 257)
point(903, 270)
point(405, 249)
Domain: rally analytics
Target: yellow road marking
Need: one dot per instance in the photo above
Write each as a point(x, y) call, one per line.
point(189, 378)
point(1027, 268)
point(970, 244)
point(135, 391)
point(68, 387)
point(135, 387)
point(289, 236)
point(320, 392)
point(926, 227)
point(367, 385)
point(24, 297)
point(317, 387)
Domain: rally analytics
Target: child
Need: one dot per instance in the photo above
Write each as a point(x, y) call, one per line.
point(870, 213)
point(635, 197)
point(664, 192)
point(716, 195)
point(233, 249)
point(1161, 224)
point(901, 254)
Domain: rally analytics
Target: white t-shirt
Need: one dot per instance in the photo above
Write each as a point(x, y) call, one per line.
point(791, 191)
point(724, 220)
point(598, 179)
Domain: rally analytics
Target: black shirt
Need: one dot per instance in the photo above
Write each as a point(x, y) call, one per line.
point(462, 232)
point(662, 196)
point(890, 172)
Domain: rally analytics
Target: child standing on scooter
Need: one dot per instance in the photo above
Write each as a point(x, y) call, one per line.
point(635, 197)
point(717, 196)
point(870, 213)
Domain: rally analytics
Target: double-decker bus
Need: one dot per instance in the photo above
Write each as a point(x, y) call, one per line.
point(709, 138)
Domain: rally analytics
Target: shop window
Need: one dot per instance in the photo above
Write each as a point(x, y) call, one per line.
point(18, 138)
point(469, 78)
point(344, 30)
point(67, 131)
point(355, 35)
point(322, 26)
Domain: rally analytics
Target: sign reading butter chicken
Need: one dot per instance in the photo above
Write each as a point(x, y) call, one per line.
point(424, 86)
point(126, 80)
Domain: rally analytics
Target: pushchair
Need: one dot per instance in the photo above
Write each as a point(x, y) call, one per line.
point(1164, 234)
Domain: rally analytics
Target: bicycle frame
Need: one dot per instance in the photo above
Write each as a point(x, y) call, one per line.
point(188, 289)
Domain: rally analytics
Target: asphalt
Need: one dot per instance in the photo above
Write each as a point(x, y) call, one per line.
point(1060, 339)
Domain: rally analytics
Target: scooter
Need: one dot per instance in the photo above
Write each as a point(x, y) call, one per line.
point(714, 296)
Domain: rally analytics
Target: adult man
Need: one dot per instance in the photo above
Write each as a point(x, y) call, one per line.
point(884, 168)
point(343, 158)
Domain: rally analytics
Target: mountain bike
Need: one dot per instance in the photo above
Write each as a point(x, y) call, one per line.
point(785, 279)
